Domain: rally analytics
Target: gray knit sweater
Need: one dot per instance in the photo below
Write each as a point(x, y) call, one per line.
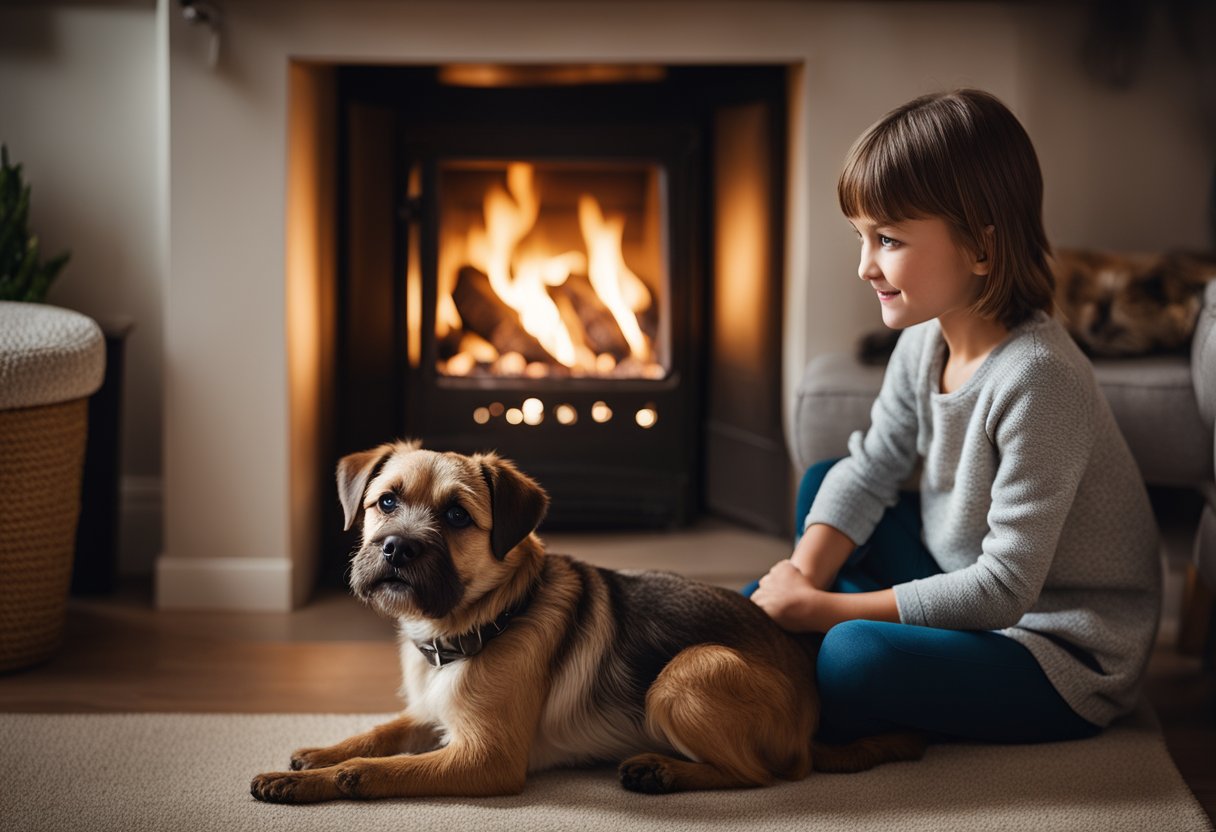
point(1032, 506)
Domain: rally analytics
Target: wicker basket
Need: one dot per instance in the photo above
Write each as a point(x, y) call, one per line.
point(41, 458)
point(51, 361)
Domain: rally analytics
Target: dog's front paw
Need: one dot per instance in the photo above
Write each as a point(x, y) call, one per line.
point(309, 758)
point(646, 773)
point(291, 787)
point(275, 787)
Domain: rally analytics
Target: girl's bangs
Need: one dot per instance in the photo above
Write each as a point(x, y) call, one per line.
point(878, 182)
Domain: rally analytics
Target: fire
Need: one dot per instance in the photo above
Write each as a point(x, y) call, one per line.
point(526, 273)
point(622, 291)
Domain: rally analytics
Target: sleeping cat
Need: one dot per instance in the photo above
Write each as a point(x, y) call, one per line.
point(1113, 305)
point(1130, 304)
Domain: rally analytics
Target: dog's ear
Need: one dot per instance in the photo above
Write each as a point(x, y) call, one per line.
point(517, 503)
point(355, 471)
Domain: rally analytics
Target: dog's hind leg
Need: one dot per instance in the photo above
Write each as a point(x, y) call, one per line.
point(660, 774)
point(403, 734)
point(867, 752)
point(739, 720)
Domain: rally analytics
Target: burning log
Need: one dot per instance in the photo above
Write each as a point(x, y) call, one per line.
point(485, 314)
point(600, 329)
point(648, 320)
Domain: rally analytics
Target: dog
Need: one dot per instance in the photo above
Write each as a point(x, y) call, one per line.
point(515, 660)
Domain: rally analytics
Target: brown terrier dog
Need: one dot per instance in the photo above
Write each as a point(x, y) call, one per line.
point(515, 660)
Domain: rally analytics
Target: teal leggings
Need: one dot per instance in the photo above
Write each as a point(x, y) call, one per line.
point(875, 677)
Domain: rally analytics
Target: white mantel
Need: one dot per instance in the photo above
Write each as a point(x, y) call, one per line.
point(229, 490)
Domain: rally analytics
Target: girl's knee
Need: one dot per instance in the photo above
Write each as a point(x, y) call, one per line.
point(852, 659)
point(852, 672)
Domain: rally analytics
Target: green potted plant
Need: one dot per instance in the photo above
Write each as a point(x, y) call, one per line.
point(23, 275)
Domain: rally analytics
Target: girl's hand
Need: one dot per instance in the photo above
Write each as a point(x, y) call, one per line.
point(790, 599)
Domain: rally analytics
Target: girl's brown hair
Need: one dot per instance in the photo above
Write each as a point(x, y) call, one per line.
point(963, 157)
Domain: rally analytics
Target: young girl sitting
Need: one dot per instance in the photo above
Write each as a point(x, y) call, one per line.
point(1015, 598)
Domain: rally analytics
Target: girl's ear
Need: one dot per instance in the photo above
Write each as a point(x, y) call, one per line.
point(983, 264)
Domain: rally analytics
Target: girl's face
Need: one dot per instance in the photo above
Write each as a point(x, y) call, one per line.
point(917, 270)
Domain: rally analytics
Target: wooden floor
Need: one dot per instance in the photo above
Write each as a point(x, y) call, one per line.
point(336, 656)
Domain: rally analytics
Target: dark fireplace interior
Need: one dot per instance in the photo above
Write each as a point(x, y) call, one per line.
point(579, 267)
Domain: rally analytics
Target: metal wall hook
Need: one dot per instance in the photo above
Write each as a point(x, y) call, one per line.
point(196, 13)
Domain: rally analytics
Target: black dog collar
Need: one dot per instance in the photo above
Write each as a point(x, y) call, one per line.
point(443, 651)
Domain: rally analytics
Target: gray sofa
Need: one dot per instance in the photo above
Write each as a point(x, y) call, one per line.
point(1165, 405)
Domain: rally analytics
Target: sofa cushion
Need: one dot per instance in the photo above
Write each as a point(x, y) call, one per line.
point(1153, 400)
point(833, 400)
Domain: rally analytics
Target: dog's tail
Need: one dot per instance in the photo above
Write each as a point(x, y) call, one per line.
point(867, 752)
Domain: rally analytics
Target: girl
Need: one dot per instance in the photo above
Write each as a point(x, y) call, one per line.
point(1016, 597)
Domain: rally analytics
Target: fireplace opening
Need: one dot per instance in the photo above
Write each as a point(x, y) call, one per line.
point(579, 267)
point(551, 270)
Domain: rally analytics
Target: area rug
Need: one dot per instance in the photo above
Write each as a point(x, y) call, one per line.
point(168, 772)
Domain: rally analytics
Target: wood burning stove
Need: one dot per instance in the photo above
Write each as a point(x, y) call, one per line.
point(535, 260)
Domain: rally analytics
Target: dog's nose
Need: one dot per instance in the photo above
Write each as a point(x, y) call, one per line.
point(396, 550)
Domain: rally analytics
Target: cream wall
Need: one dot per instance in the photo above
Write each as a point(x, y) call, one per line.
point(79, 109)
point(1123, 169)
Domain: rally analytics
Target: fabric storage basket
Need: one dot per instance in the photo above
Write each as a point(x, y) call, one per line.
point(51, 361)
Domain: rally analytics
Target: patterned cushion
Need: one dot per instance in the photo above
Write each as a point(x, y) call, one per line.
point(47, 355)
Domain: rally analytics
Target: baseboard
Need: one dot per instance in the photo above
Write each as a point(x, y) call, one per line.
point(237, 584)
point(245, 584)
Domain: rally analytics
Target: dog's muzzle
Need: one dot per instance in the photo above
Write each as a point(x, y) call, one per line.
point(407, 567)
point(397, 550)
point(390, 561)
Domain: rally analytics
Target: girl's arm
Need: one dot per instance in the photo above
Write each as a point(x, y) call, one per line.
point(794, 601)
point(790, 592)
point(820, 554)
point(853, 497)
point(793, 593)
point(863, 485)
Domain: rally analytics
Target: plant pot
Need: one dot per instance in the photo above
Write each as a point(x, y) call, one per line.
point(41, 455)
point(51, 361)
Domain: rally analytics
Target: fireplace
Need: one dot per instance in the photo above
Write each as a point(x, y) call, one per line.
point(577, 266)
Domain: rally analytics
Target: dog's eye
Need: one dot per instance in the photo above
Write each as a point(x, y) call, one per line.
point(387, 503)
point(457, 517)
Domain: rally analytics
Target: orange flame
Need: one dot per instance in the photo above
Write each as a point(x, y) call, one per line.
point(622, 291)
point(520, 273)
point(521, 282)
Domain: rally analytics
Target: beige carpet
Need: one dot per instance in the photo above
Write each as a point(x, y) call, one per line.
point(164, 772)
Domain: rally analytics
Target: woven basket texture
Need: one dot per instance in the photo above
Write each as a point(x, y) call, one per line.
point(41, 459)
point(48, 355)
